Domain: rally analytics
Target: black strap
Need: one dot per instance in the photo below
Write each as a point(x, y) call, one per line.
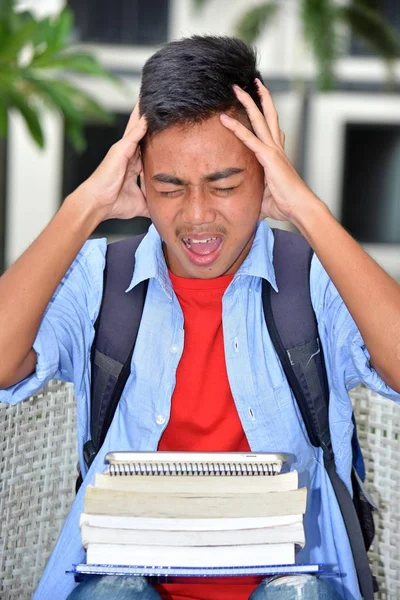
point(352, 524)
point(116, 330)
point(304, 367)
point(125, 371)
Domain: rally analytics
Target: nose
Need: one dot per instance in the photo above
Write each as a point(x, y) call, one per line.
point(198, 208)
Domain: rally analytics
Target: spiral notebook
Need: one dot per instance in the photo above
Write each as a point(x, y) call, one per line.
point(198, 463)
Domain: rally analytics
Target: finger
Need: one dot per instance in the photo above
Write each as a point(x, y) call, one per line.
point(246, 136)
point(257, 120)
point(128, 145)
point(269, 110)
point(133, 119)
point(136, 132)
point(282, 138)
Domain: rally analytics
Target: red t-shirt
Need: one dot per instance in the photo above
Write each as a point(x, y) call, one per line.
point(203, 412)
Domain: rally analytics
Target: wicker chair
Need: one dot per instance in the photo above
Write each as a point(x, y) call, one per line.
point(38, 470)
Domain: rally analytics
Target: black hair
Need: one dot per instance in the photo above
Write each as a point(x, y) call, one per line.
point(190, 80)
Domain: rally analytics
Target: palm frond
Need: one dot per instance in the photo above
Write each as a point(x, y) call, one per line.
point(13, 42)
point(254, 20)
point(39, 75)
point(74, 104)
point(367, 24)
point(6, 8)
point(29, 114)
point(74, 133)
point(318, 18)
point(76, 61)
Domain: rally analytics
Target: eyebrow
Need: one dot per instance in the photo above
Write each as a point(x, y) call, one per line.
point(165, 178)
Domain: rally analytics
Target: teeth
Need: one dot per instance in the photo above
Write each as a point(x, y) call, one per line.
point(189, 241)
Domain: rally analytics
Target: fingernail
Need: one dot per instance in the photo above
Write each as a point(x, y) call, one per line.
point(236, 88)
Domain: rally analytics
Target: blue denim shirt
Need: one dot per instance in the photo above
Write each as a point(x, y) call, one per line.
point(267, 409)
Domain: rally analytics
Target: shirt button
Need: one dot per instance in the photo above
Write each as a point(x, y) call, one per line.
point(174, 349)
point(160, 419)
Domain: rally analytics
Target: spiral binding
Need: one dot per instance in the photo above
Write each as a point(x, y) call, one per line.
point(182, 469)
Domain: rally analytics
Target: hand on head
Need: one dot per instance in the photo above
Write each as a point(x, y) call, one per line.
point(284, 189)
point(113, 186)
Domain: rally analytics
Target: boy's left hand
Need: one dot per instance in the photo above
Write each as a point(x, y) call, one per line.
point(285, 193)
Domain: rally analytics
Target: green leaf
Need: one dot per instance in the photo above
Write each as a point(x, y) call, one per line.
point(25, 16)
point(5, 31)
point(61, 28)
point(85, 103)
point(55, 95)
point(74, 104)
point(3, 117)
point(14, 42)
point(43, 32)
point(81, 62)
point(52, 35)
point(318, 18)
point(8, 76)
point(74, 133)
point(6, 8)
point(18, 101)
point(370, 26)
point(60, 99)
point(254, 20)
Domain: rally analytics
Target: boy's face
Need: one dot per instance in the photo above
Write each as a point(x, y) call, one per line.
point(204, 190)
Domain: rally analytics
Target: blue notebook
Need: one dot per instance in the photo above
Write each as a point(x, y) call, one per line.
point(150, 571)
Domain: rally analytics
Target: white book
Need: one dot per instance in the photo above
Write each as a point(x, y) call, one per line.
point(289, 533)
point(159, 524)
point(191, 556)
point(182, 505)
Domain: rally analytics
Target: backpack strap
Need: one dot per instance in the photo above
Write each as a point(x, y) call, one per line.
point(293, 329)
point(116, 330)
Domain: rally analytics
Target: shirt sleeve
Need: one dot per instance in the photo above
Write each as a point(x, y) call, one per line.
point(66, 331)
point(345, 351)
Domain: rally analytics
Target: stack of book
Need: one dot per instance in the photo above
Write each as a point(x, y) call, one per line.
point(202, 522)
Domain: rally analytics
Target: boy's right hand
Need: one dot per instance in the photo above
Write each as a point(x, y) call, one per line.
point(28, 285)
point(113, 187)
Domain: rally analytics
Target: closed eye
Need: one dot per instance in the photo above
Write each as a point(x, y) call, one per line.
point(171, 193)
point(224, 190)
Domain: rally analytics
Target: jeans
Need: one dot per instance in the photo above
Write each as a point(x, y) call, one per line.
point(294, 587)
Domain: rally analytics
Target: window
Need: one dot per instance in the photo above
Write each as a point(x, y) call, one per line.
point(371, 183)
point(134, 22)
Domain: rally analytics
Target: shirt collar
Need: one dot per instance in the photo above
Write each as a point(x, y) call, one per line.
point(150, 261)
point(259, 261)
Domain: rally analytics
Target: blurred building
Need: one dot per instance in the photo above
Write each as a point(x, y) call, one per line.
point(346, 144)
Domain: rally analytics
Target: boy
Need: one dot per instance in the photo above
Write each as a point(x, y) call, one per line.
point(209, 151)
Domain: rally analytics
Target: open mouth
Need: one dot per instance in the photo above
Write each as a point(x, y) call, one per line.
point(202, 250)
